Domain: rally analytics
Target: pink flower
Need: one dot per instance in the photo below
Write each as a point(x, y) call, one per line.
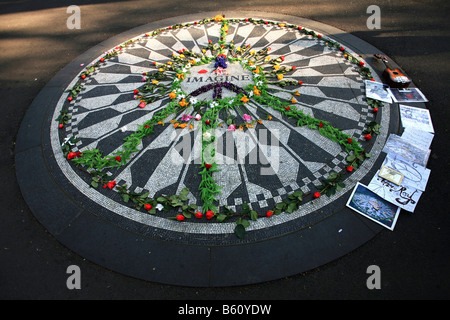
point(247, 118)
point(231, 127)
point(198, 117)
point(186, 117)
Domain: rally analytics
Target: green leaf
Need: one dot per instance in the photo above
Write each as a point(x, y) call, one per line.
point(239, 230)
point(243, 221)
point(253, 215)
point(125, 197)
point(94, 184)
point(221, 217)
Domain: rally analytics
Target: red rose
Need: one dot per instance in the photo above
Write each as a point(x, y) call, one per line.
point(102, 59)
point(320, 125)
point(146, 126)
point(299, 28)
point(209, 214)
point(136, 91)
point(69, 99)
point(180, 217)
point(60, 126)
point(319, 36)
point(282, 58)
point(269, 213)
point(300, 82)
point(361, 63)
point(208, 166)
point(368, 136)
point(148, 206)
point(316, 195)
point(294, 67)
point(71, 155)
point(349, 168)
point(349, 140)
point(198, 215)
point(342, 49)
point(110, 185)
point(118, 158)
point(375, 109)
point(83, 76)
point(207, 122)
point(287, 108)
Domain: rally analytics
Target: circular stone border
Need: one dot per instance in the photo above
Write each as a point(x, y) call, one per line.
point(133, 251)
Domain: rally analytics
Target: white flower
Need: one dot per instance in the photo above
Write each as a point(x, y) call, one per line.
point(214, 104)
point(259, 83)
point(207, 136)
point(123, 129)
point(231, 101)
point(193, 100)
point(159, 206)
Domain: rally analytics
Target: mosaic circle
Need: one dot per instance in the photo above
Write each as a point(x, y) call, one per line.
point(194, 129)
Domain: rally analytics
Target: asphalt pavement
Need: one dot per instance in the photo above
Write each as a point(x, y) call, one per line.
point(413, 259)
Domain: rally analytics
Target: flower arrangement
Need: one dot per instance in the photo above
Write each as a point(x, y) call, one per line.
point(266, 71)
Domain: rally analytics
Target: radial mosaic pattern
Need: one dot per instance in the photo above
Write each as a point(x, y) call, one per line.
point(235, 117)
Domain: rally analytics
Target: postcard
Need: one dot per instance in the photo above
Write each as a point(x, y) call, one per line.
point(377, 91)
point(407, 95)
point(414, 175)
point(418, 118)
point(391, 175)
point(419, 138)
point(404, 197)
point(406, 150)
point(373, 207)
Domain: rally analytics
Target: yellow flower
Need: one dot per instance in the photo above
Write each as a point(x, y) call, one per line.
point(160, 69)
point(256, 91)
point(280, 76)
point(181, 55)
point(155, 81)
point(172, 121)
point(172, 95)
point(203, 50)
point(175, 124)
point(191, 126)
point(244, 99)
point(169, 63)
point(296, 93)
point(293, 100)
point(256, 70)
point(260, 121)
point(218, 18)
point(276, 67)
point(269, 117)
point(241, 128)
point(180, 75)
point(183, 125)
point(160, 122)
point(252, 52)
